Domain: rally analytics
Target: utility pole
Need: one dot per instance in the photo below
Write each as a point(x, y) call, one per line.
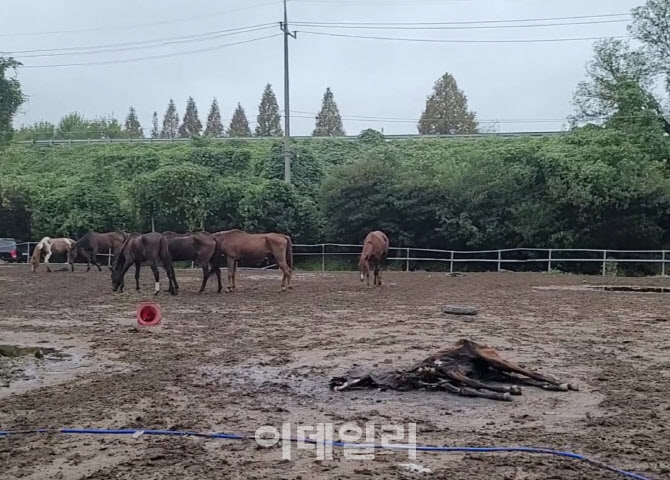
point(287, 115)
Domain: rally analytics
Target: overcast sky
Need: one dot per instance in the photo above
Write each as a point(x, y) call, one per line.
point(372, 78)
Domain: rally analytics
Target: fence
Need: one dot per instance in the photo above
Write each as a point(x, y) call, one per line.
point(407, 255)
point(66, 141)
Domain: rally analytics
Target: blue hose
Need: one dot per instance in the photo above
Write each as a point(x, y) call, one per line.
point(230, 436)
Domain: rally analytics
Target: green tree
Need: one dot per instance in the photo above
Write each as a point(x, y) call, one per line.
point(73, 126)
point(192, 127)
point(214, 126)
point(239, 125)
point(328, 120)
point(170, 121)
point(11, 97)
point(446, 110)
point(41, 130)
point(651, 26)
point(132, 127)
point(155, 131)
point(176, 197)
point(268, 122)
point(106, 127)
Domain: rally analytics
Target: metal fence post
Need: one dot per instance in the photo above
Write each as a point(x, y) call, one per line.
point(663, 265)
point(451, 263)
point(604, 262)
point(407, 266)
point(109, 258)
point(499, 260)
point(323, 257)
point(549, 265)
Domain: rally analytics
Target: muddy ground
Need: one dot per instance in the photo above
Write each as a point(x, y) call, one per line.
point(235, 362)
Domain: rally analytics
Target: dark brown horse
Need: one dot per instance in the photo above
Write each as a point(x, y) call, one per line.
point(375, 251)
point(201, 248)
point(237, 245)
point(93, 243)
point(137, 249)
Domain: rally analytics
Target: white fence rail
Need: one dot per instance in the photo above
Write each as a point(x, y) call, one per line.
point(550, 256)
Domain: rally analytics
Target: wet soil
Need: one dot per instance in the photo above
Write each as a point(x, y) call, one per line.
point(235, 362)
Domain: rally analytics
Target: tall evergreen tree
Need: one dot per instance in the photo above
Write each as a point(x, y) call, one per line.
point(239, 125)
point(192, 125)
point(328, 121)
point(170, 121)
point(268, 123)
point(132, 126)
point(155, 131)
point(446, 110)
point(214, 126)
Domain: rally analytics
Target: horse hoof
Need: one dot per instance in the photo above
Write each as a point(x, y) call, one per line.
point(515, 390)
point(573, 386)
point(563, 387)
point(507, 397)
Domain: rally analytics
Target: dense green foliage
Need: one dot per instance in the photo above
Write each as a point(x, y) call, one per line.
point(594, 187)
point(11, 97)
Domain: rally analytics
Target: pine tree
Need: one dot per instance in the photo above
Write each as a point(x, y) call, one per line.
point(155, 132)
point(170, 121)
point(133, 127)
point(328, 121)
point(447, 110)
point(214, 126)
point(239, 125)
point(268, 123)
point(192, 125)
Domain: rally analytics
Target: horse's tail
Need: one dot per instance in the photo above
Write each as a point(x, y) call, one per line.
point(164, 252)
point(289, 252)
point(216, 258)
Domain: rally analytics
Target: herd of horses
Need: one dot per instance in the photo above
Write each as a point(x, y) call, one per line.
point(204, 249)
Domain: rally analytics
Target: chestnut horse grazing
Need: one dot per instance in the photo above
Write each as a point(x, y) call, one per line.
point(137, 249)
point(238, 245)
point(93, 243)
point(375, 250)
point(201, 248)
point(50, 246)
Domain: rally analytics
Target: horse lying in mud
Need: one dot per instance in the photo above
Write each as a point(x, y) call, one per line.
point(462, 369)
point(375, 251)
point(201, 248)
point(93, 243)
point(50, 246)
point(137, 249)
point(237, 245)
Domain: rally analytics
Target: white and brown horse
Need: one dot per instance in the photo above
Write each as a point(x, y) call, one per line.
point(50, 246)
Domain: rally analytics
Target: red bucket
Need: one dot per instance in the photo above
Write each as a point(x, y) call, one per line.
point(148, 314)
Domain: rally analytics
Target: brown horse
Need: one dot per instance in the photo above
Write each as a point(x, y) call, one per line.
point(150, 248)
point(238, 245)
point(50, 246)
point(201, 248)
point(375, 251)
point(90, 244)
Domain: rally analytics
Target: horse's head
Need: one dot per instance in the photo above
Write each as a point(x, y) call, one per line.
point(72, 254)
point(117, 279)
point(364, 267)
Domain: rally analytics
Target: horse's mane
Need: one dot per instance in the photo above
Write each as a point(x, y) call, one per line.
point(121, 257)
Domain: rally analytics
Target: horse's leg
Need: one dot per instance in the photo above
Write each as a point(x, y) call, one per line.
point(217, 272)
point(154, 268)
point(230, 262)
point(234, 274)
point(204, 264)
point(378, 275)
point(137, 275)
point(94, 259)
point(46, 259)
point(283, 266)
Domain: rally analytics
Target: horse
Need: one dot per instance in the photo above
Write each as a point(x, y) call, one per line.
point(58, 246)
point(375, 251)
point(150, 247)
point(90, 244)
point(237, 245)
point(200, 247)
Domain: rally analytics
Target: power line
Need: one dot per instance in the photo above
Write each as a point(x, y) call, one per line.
point(469, 22)
point(469, 27)
point(212, 34)
point(437, 40)
point(138, 25)
point(152, 57)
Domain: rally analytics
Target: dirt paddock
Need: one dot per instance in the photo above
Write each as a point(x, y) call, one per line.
point(235, 362)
